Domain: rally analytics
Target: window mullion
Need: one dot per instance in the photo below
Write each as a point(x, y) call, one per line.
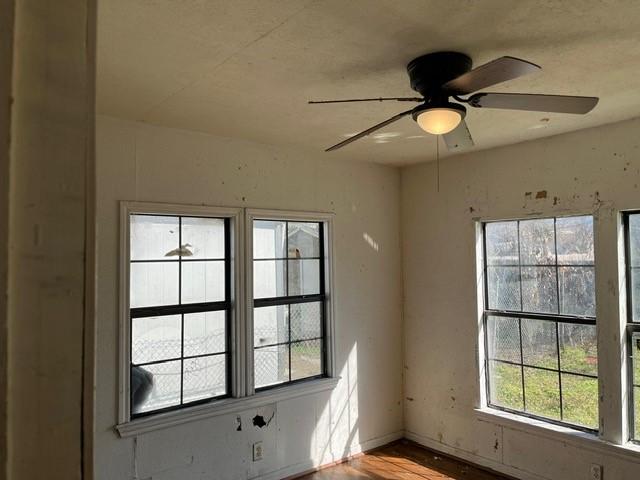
point(247, 326)
point(524, 396)
point(555, 248)
point(610, 308)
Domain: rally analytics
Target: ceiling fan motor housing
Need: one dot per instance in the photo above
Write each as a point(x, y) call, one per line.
point(444, 105)
point(429, 72)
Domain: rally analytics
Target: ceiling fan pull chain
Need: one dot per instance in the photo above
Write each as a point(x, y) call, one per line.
point(438, 163)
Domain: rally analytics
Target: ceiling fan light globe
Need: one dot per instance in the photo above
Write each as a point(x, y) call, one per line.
point(439, 121)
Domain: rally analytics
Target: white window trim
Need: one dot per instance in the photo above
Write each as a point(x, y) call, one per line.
point(327, 220)
point(242, 391)
point(626, 451)
point(611, 319)
point(223, 407)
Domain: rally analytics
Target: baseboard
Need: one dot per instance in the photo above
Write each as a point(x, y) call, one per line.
point(470, 457)
point(293, 471)
point(303, 468)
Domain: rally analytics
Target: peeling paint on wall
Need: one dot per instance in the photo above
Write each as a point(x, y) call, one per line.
point(541, 194)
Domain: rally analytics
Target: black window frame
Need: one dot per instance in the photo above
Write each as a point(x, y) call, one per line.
point(182, 309)
point(632, 327)
point(519, 315)
point(288, 300)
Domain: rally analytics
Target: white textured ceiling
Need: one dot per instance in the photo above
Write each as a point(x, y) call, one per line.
point(246, 68)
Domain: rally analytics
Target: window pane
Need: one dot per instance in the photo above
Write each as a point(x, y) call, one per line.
point(537, 242)
point(271, 365)
point(203, 237)
point(574, 237)
point(270, 325)
point(578, 348)
point(269, 278)
point(503, 338)
point(542, 393)
point(203, 282)
point(635, 352)
point(539, 292)
point(304, 240)
point(636, 396)
point(306, 359)
point(269, 239)
point(580, 400)
point(154, 284)
point(577, 291)
point(502, 243)
point(165, 390)
point(539, 345)
point(305, 320)
point(505, 385)
point(503, 288)
point(153, 237)
point(155, 338)
point(204, 377)
point(634, 237)
point(204, 333)
point(304, 277)
point(635, 293)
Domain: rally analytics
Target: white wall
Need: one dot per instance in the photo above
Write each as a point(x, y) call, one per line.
point(596, 170)
point(50, 212)
point(146, 163)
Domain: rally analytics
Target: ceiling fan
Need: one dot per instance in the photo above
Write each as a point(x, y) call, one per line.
point(440, 76)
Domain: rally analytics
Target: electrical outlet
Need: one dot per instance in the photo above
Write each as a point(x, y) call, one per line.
point(257, 452)
point(596, 472)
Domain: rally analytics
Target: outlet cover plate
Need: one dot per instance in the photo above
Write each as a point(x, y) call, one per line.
point(257, 451)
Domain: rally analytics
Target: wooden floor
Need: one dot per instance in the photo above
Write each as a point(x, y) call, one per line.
point(403, 460)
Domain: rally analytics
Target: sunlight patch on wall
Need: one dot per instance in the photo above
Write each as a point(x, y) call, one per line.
point(336, 434)
point(372, 243)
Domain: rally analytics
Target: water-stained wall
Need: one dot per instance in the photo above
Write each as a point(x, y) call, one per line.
point(591, 171)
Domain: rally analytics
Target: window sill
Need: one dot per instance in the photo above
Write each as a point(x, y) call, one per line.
point(222, 407)
point(588, 441)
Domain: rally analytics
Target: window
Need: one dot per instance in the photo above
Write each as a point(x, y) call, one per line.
point(539, 319)
point(221, 308)
point(632, 243)
point(180, 306)
point(289, 301)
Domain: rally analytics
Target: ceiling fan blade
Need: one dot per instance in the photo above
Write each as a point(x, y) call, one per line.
point(380, 99)
point(534, 102)
point(369, 130)
point(498, 71)
point(459, 138)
